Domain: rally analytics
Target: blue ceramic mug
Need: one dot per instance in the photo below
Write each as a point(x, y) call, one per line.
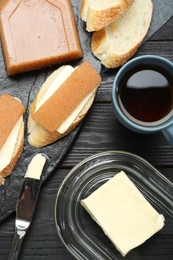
point(166, 124)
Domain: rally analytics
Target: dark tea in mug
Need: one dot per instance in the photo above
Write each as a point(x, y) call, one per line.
point(145, 94)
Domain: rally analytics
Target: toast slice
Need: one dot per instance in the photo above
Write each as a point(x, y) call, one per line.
point(98, 14)
point(12, 134)
point(118, 42)
point(64, 108)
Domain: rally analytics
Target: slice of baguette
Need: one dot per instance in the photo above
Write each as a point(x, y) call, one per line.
point(118, 42)
point(16, 155)
point(97, 14)
point(38, 135)
point(18, 142)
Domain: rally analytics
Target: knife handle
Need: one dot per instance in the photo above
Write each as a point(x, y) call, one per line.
point(16, 245)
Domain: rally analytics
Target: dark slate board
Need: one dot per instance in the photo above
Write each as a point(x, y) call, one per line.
point(162, 12)
point(25, 87)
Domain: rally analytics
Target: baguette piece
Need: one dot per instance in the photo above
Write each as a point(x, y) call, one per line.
point(98, 14)
point(118, 42)
point(62, 111)
point(11, 144)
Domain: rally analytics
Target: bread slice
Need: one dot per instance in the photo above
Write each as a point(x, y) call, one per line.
point(16, 155)
point(12, 122)
point(118, 42)
point(97, 14)
point(39, 136)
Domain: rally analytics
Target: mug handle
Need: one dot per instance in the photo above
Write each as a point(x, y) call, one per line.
point(168, 133)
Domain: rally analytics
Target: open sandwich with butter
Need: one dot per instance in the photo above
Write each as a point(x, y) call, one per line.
point(62, 102)
point(11, 134)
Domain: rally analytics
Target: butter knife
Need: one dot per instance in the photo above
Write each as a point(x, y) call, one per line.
point(26, 203)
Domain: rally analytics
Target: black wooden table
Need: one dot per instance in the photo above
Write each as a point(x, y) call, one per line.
point(100, 132)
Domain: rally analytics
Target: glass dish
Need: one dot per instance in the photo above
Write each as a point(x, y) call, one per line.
point(79, 233)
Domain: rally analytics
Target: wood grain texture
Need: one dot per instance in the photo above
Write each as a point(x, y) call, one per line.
point(100, 132)
point(25, 86)
point(42, 241)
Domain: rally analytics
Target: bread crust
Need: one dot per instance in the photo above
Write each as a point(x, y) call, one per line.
point(59, 107)
point(16, 155)
point(112, 60)
point(97, 19)
point(2, 180)
point(39, 136)
point(116, 61)
point(109, 57)
point(9, 105)
point(97, 39)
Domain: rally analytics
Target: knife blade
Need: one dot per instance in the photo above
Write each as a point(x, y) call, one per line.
point(27, 201)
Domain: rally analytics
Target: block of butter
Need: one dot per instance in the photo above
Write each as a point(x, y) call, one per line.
point(123, 213)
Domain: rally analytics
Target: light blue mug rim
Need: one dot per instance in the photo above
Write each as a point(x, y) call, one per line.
point(127, 121)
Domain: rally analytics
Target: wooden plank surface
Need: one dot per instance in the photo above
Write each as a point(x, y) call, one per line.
point(100, 132)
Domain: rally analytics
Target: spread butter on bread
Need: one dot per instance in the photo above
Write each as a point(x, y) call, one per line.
point(62, 102)
point(11, 133)
point(117, 43)
point(98, 14)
